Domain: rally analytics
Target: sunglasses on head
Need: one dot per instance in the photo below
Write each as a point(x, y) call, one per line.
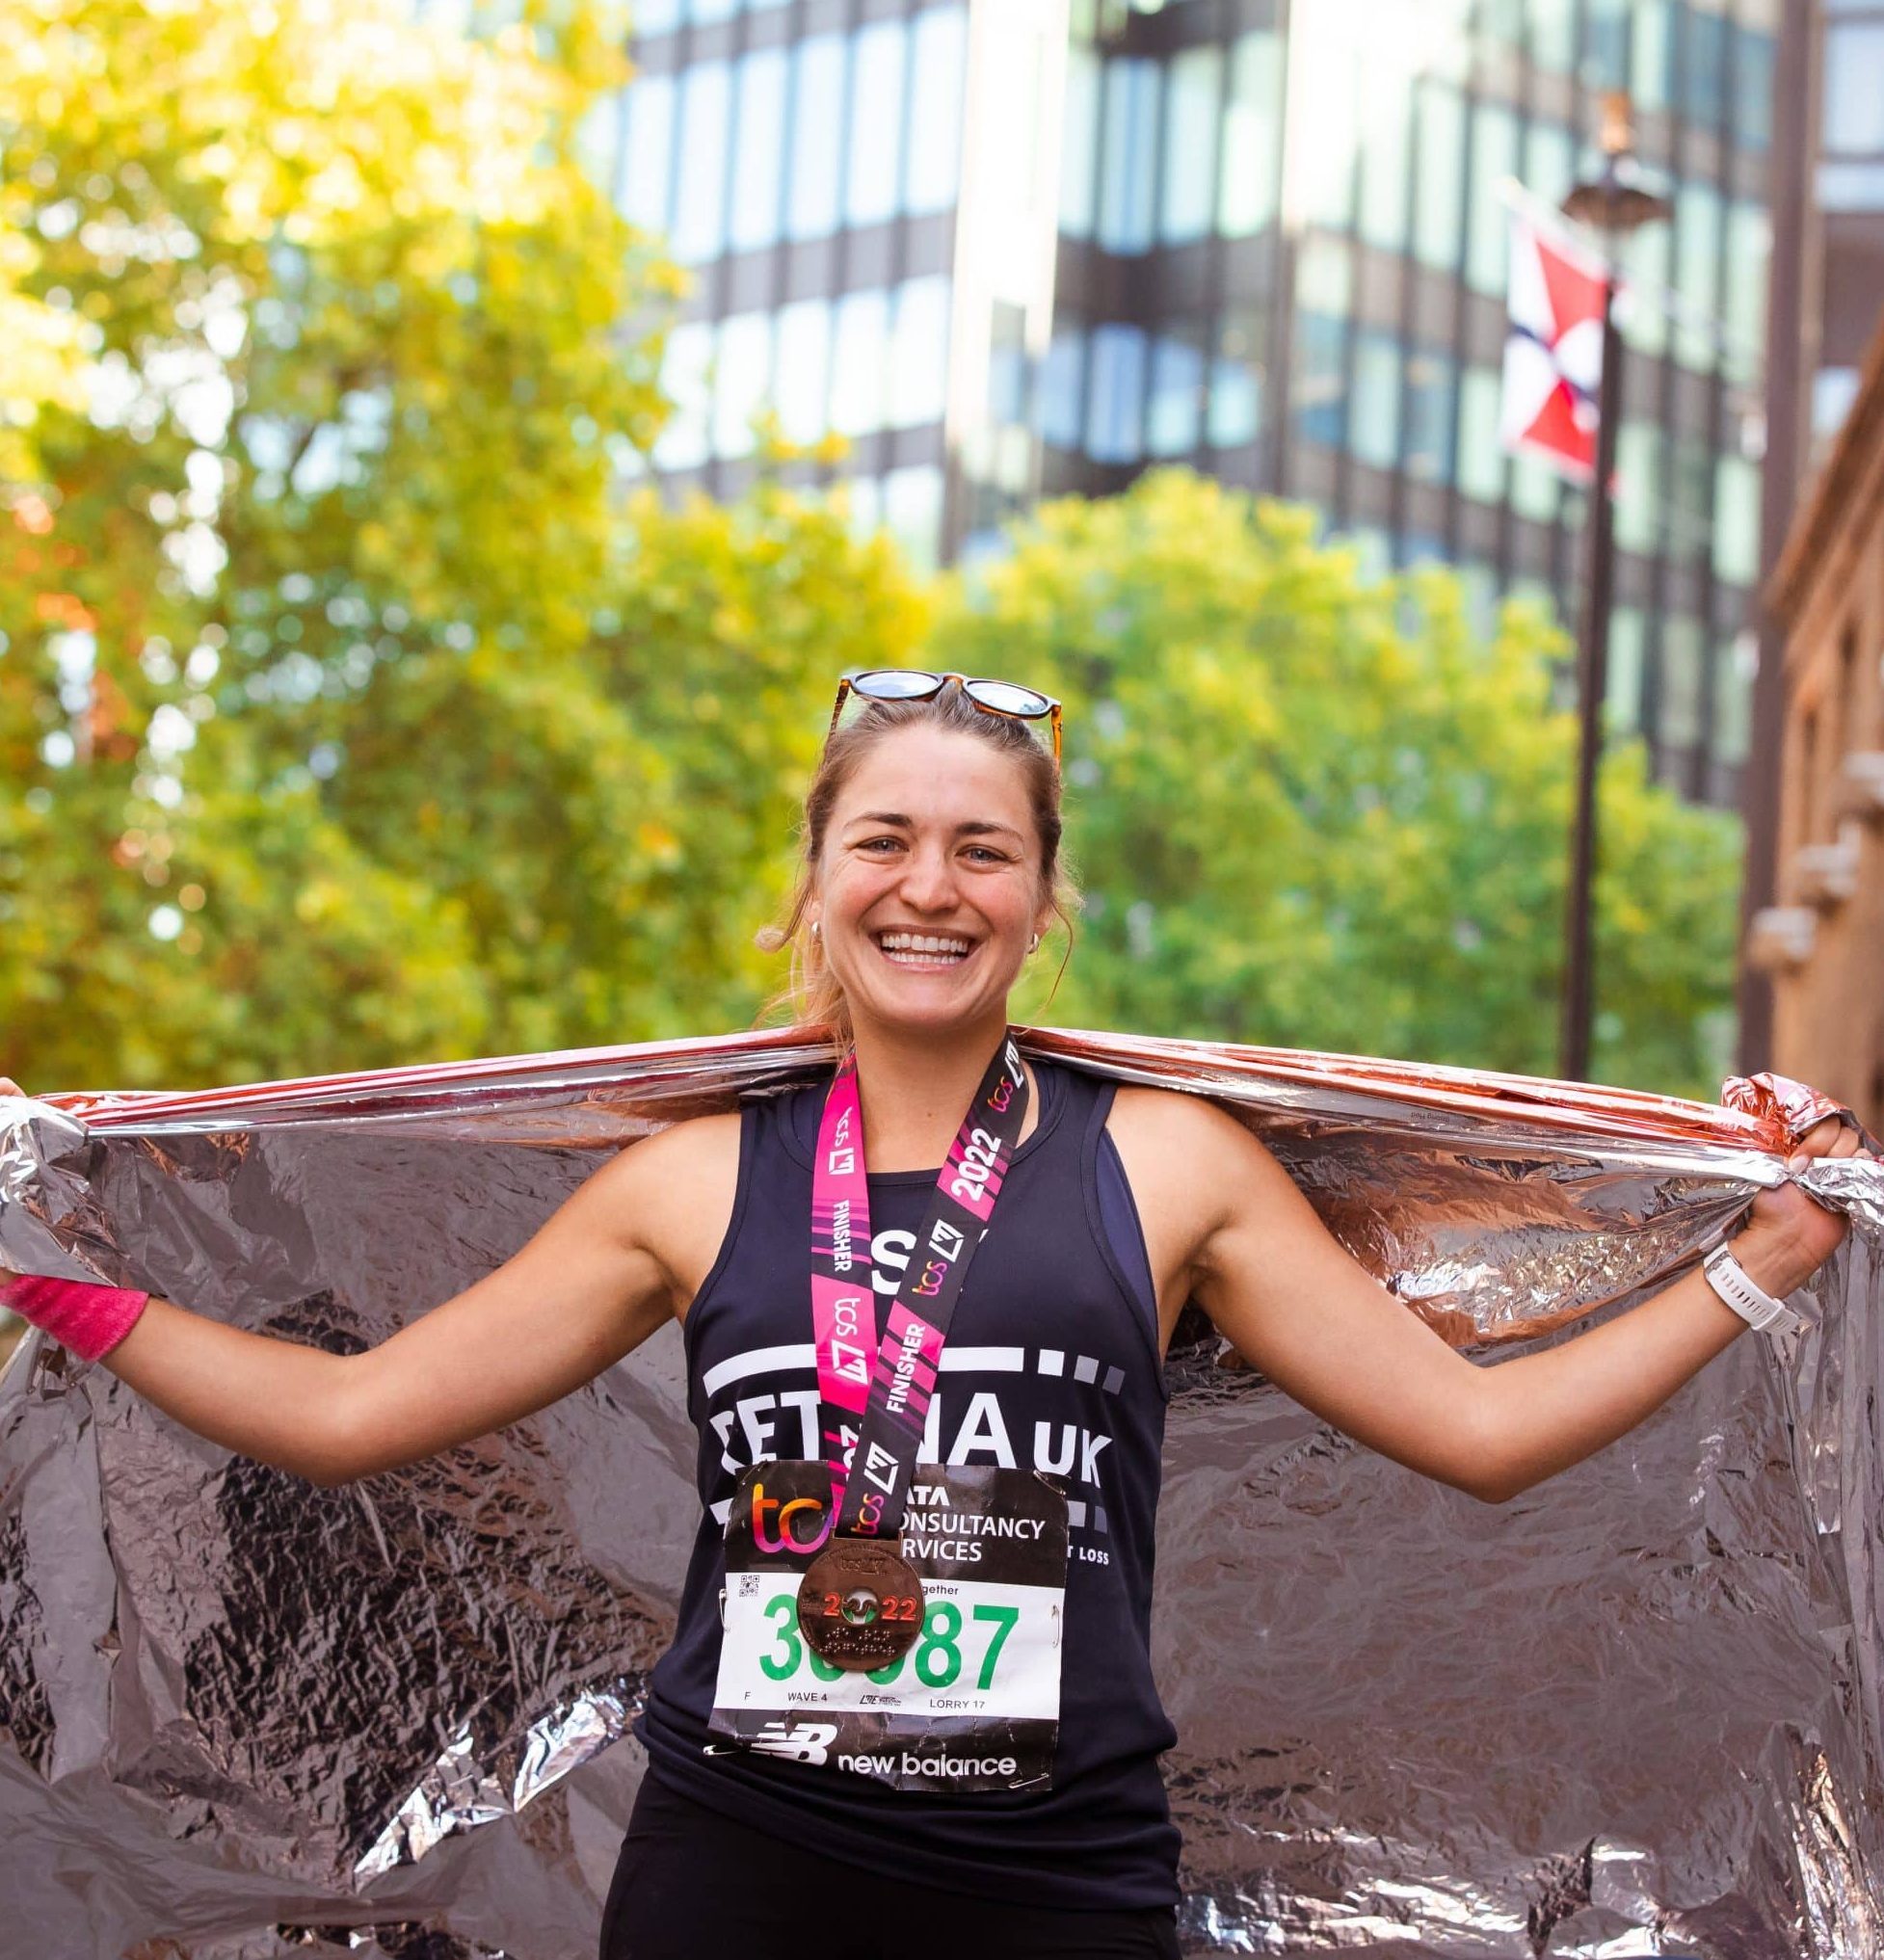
point(912, 683)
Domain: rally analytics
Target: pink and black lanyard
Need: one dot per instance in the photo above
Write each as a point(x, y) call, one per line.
point(885, 1410)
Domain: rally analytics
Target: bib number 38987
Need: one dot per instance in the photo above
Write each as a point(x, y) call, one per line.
point(974, 1703)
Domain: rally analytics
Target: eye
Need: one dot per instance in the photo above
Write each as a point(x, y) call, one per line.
point(871, 843)
point(987, 854)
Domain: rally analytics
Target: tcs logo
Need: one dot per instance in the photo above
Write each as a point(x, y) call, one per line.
point(788, 1529)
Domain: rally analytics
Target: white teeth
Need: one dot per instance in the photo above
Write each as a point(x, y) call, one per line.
point(930, 945)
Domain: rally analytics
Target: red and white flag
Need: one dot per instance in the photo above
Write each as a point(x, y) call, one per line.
point(1553, 350)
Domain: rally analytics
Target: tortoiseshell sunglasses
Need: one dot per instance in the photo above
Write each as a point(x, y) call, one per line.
point(915, 683)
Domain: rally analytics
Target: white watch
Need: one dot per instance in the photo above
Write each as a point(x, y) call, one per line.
point(1745, 1295)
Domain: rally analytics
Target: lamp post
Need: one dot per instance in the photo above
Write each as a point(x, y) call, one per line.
point(1613, 204)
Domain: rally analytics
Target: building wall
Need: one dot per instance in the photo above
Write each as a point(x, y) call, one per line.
point(1274, 249)
point(1821, 943)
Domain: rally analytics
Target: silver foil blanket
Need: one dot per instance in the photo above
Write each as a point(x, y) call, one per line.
point(1636, 1712)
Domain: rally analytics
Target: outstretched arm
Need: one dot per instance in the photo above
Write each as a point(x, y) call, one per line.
point(596, 1281)
point(1226, 1225)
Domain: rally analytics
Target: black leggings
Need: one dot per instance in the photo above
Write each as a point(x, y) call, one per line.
point(691, 1884)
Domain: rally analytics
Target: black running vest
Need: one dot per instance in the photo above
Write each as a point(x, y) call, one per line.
point(1051, 1364)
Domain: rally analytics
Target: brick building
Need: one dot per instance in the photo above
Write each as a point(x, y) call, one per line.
point(1821, 943)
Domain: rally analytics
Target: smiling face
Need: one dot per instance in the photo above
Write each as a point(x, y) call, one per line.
point(929, 886)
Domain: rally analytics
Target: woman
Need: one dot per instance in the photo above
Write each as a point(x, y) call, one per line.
point(931, 871)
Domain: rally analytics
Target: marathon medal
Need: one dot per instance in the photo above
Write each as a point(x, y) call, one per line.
point(859, 1607)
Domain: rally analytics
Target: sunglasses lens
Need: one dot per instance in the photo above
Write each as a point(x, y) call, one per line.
point(1006, 698)
point(895, 683)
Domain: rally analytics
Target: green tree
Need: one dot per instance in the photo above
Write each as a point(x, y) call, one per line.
point(349, 713)
point(1314, 812)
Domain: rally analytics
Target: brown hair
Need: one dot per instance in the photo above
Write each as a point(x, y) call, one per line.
point(812, 993)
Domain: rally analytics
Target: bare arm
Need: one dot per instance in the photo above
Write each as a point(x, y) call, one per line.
point(1226, 1224)
point(619, 1258)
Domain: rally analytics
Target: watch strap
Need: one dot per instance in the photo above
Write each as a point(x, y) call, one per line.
point(1751, 1301)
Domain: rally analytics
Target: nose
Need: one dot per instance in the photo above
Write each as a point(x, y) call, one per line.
point(929, 879)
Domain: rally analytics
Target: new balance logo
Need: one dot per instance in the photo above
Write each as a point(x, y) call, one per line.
point(798, 1742)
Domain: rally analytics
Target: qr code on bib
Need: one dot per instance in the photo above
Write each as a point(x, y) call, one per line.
point(748, 1585)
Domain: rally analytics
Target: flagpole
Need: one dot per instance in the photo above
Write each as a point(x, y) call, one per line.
point(1613, 204)
point(1592, 689)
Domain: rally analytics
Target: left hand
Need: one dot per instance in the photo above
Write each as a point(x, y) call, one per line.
point(1792, 1233)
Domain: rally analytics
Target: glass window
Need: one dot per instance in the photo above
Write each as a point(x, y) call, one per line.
point(804, 374)
point(1553, 35)
point(876, 134)
point(1639, 455)
point(1323, 160)
point(1644, 255)
point(1629, 632)
point(1733, 699)
point(1607, 33)
point(1431, 381)
point(703, 12)
point(1703, 66)
point(859, 347)
point(1749, 242)
point(1851, 186)
point(1833, 391)
point(1115, 418)
point(1386, 143)
point(1442, 164)
point(1697, 272)
point(817, 136)
point(741, 374)
point(1481, 454)
point(913, 512)
point(1079, 143)
point(1375, 425)
point(758, 159)
point(598, 137)
point(935, 147)
point(1535, 488)
point(1679, 715)
point(685, 372)
point(700, 209)
point(653, 16)
point(1493, 158)
point(1324, 277)
point(865, 497)
point(918, 354)
point(1549, 162)
point(1737, 520)
point(1236, 380)
point(1128, 165)
point(1321, 386)
point(1753, 88)
point(1062, 386)
point(1177, 389)
point(1191, 149)
point(650, 155)
point(1854, 88)
point(1252, 134)
point(1649, 69)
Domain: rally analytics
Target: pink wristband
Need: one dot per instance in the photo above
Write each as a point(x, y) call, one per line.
point(89, 1321)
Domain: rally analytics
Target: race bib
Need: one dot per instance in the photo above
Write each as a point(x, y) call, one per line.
point(974, 1704)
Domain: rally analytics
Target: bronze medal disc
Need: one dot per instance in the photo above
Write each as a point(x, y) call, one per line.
point(860, 1605)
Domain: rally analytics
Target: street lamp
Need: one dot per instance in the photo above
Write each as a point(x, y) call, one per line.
point(1613, 204)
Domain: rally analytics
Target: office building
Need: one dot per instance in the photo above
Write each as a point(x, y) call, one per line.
point(1016, 248)
point(1827, 294)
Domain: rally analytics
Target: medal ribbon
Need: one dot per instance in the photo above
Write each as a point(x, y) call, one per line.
point(871, 1419)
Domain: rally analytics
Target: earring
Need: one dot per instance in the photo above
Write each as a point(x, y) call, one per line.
point(1033, 944)
point(817, 929)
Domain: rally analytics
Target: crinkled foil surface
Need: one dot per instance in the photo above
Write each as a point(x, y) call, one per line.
point(1636, 1712)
